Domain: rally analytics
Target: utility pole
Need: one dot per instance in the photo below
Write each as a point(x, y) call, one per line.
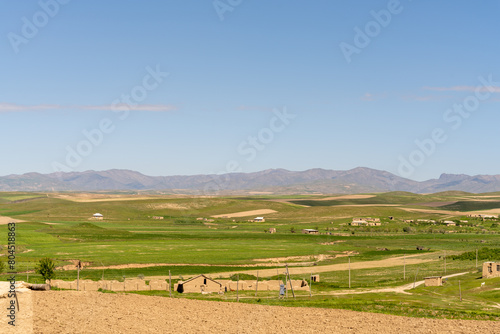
point(286, 285)
point(170, 283)
point(78, 276)
point(445, 262)
point(460, 289)
point(257, 284)
point(310, 284)
point(476, 258)
point(349, 271)
point(404, 266)
point(290, 280)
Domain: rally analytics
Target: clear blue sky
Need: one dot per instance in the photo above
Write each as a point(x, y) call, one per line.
point(357, 99)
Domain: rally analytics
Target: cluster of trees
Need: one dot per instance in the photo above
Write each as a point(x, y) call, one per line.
point(484, 253)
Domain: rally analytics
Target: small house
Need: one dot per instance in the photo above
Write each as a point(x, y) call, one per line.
point(315, 278)
point(491, 269)
point(259, 220)
point(310, 231)
point(433, 281)
point(356, 222)
point(97, 216)
point(272, 230)
point(199, 284)
point(450, 223)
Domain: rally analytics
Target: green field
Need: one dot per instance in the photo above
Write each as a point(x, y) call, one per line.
point(189, 237)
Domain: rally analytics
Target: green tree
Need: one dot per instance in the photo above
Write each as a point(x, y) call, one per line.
point(46, 268)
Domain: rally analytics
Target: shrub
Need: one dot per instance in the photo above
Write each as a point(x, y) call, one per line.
point(45, 268)
point(484, 253)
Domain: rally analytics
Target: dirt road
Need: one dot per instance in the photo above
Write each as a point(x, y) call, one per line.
point(5, 220)
point(397, 289)
point(392, 262)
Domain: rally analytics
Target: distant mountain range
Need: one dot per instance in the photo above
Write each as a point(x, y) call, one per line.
point(278, 181)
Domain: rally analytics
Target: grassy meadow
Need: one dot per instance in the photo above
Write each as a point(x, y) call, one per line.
point(189, 241)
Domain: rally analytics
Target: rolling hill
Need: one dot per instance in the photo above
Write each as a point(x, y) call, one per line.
point(280, 181)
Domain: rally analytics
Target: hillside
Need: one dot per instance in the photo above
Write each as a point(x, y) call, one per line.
point(278, 181)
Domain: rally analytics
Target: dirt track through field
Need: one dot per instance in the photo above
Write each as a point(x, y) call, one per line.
point(246, 213)
point(5, 220)
point(397, 289)
point(94, 312)
point(391, 262)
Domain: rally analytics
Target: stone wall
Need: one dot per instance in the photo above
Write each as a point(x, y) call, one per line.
point(112, 285)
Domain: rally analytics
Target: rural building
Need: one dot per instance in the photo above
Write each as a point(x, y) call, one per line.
point(158, 217)
point(198, 284)
point(426, 221)
point(366, 222)
point(483, 216)
point(449, 223)
point(491, 269)
point(310, 231)
point(358, 222)
point(259, 220)
point(315, 278)
point(97, 216)
point(368, 219)
point(434, 281)
point(272, 230)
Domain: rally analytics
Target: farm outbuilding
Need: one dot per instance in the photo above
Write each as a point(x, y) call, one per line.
point(272, 230)
point(310, 231)
point(434, 281)
point(491, 269)
point(198, 284)
point(259, 220)
point(98, 216)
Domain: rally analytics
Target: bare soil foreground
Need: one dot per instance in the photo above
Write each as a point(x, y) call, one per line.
point(94, 312)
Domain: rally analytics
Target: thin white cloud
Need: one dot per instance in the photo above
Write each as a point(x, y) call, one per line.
point(425, 98)
point(372, 97)
point(5, 107)
point(492, 89)
point(367, 97)
point(253, 108)
point(124, 106)
point(12, 107)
